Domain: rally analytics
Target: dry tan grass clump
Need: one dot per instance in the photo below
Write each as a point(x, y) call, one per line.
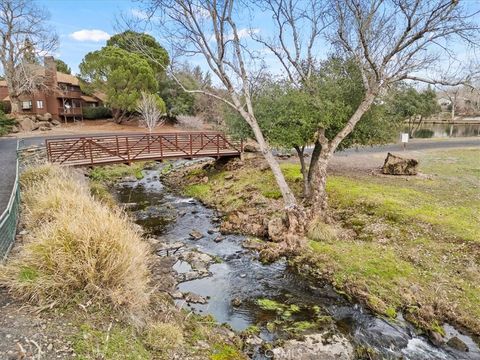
point(320, 231)
point(76, 247)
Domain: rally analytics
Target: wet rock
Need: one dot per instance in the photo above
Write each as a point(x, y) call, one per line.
point(397, 165)
point(211, 231)
point(219, 238)
point(176, 295)
point(254, 340)
point(195, 235)
point(129, 179)
point(314, 347)
point(195, 298)
point(436, 338)
point(197, 260)
point(457, 344)
point(236, 302)
point(253, 244)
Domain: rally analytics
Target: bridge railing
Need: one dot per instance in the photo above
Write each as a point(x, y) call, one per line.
point(128, 148)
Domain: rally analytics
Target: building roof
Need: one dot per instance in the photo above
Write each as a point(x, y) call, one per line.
point(100, 95)
point(67, 79)
point(89, 98)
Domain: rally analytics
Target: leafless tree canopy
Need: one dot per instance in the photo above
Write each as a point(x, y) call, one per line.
point(23, 30)
point(150, 111)
point(209, 28)
point(396, 40)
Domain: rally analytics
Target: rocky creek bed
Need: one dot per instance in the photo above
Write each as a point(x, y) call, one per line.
point(281, 314)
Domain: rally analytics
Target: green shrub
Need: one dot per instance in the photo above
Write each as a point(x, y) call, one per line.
point(423, 133)
point(6, 125)
point(99, 112)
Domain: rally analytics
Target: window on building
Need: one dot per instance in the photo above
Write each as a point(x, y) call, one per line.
point(39, 104)
point(27, 105)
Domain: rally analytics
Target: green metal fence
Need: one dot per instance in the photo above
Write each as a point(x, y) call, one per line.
point(9, 219)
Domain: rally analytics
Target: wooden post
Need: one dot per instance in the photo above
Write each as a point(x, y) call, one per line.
point(161, 146)
point(118, 146)
point(218, 145)
point(91, 153)
point(128, 150)
point(191, 143)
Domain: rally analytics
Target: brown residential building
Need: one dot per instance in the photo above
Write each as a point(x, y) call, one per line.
point(63, 98)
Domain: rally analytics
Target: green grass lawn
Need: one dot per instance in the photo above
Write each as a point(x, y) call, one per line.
point(417, 243)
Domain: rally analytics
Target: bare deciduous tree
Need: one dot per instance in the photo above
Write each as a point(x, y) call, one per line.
point(209, 28)
point(390, 40)
point(151, 110)
point(23, 33)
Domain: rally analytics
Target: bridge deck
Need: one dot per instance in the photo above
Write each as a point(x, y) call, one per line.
point(98, 150)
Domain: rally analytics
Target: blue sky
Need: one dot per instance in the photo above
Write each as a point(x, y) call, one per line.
point(73, 20)
point(84, 26)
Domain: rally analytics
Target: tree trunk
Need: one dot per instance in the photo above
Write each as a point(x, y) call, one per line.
point(318, 195)
point(314, 159)
point(287, 194)
point(118, 116)
point(303, 167)
point(15, 104)
point(318, 199)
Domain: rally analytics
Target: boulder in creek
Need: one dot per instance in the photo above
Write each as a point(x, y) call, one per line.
point(397, 165)
point(457, 344)
point(315, 347)
point(195, 235)
point(194, 298)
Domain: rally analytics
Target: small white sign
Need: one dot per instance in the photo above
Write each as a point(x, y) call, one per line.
point(404, 137)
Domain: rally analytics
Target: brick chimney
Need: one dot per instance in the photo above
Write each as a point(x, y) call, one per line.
point(50, 71)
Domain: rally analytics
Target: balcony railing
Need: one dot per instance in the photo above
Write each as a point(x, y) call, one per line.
point(70, 111)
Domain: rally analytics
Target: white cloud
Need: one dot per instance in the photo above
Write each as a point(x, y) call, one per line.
point(244, 33)
point(90, 35)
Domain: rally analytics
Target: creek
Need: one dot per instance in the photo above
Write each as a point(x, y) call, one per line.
point(237, 275)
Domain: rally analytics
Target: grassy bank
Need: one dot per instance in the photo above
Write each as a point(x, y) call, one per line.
point(85, 263)
point(398, 245)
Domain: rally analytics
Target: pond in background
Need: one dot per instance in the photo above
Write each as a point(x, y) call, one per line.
point(447, 130)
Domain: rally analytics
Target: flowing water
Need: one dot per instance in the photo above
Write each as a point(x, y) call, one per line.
point(241, 276)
